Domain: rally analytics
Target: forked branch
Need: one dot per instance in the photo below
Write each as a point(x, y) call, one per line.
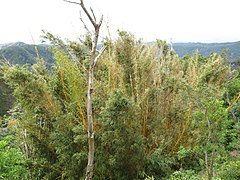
point(99, 55)
point(91, 18)
point(85, 26)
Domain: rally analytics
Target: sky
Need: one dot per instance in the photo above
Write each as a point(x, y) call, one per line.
point(171, 20)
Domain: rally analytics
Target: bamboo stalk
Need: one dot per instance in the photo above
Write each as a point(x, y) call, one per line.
point(234, 102)
point(184, 128)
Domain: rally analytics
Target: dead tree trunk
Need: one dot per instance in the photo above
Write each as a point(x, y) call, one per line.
point(93, 60)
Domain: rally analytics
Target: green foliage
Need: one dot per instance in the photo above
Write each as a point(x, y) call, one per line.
point(182, 153)
point(120, 140)
point(230, 169)
point(158, 164)
point(230, 135)
point(125, 51)
point(184, 175)
point(212, 117)
point(50, 117)
point(231, 94)
point(6, 98)
point(155, 115)
point(12, 163)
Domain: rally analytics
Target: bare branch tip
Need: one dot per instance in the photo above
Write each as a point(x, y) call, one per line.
point(93, 14)
point(72, 2)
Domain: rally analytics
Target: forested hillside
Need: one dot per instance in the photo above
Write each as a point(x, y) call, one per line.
point(21, 53)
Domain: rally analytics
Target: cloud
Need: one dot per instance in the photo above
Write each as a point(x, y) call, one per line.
point(185, 20)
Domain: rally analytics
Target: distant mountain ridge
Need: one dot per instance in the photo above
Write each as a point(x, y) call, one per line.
point(232, 48)
point(22, 53)
point(6, 45)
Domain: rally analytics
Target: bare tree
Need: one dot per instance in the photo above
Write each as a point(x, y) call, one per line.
point(93, 60)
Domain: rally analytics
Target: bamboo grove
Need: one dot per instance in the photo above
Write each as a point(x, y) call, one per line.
point(156, 116)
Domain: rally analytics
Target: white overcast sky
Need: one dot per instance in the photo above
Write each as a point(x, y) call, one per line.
point(176, 20)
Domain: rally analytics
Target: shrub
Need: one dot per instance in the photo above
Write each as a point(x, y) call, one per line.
point(230, 169)
point(12, 163)
point(184, 175)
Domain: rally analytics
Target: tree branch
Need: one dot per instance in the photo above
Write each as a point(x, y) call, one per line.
point(93, 14)
point(85, 10)
point(98, 56)
point(85, 26)
point(88, 15)
point(100, 22)
point(72, 2)
point(93, 60)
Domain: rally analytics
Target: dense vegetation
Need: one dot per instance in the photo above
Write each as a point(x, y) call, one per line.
point(6, 98)
point(12, 163)
point(20, 53)
point(156, 115)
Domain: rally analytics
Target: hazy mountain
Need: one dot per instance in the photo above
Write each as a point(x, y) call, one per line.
point(205, 49)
